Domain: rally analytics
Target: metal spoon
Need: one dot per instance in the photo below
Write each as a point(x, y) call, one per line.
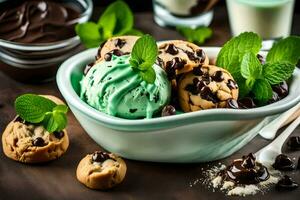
point(270, 152)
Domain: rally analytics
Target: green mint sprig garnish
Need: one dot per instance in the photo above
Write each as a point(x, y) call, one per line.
point(116, 20)
point(238, 56)
point(198, 35)
point(40, 110)
point(143, 56)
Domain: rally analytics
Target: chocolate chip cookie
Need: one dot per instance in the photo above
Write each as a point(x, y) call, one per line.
point(206, 87)
point(32, 143)
point(101, 170)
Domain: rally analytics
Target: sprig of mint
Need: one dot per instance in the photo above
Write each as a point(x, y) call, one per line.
point(238, 56)
point(143, 56)
point(198, 35)
point(116, 20)
point(40, 110)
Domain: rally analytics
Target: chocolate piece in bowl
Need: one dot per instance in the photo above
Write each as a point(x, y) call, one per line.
point(206, 89)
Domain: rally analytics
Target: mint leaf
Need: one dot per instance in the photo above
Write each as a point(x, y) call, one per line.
point(134, 32)
point(32, 108)
point(49, 123)
point(107, 24)
point(60, 119)
point(89, 34)
point(143, 57)
point(278, 71)
point(233, 51)
point(61, 108)
point(123, 16)
point(287, 49)
point(251, 68)
point(198, 35)
point(262, 90)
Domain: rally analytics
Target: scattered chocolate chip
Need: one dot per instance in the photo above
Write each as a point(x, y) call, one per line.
point(168, 110)
point(261, 59)
point(120, 43)
point(172, 49)
point(100, 156)
point(207, 94)
point(218, 76)
point(232, 84)
point(59, 134)
point(294, 143)
point(200, 53)
point(249, 161)
point(246, 102)
point(283, 162)
point(286, 183)
point(232, 103)
point(132, 110)
point(281, 89)
point(87, 68)
point(197, 71)
point(39, 142)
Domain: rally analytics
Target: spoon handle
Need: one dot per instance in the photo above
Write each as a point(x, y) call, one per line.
point(269, 131)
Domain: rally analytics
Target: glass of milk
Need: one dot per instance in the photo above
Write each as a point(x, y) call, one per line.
point(191, 13)
point(270, 19)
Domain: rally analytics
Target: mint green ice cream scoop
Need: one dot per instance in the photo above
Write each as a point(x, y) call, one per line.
point(113, 87)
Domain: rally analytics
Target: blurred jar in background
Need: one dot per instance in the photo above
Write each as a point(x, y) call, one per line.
point(191, 13)
point(271, 19)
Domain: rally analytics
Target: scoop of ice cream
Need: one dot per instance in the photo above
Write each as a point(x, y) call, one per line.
point(206, 87)
point(113, 87)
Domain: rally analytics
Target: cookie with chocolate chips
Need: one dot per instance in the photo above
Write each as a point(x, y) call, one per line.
point(118, 46)
point(101, 170)
point(206, 87)
point(32, 143)
point(178, 57)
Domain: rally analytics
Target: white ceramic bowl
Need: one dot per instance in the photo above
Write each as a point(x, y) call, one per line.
point(190, 137)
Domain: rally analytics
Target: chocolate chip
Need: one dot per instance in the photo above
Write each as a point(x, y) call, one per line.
point(206, 78)
point(160, 62)
point(177, 63)
point(294, 143)
point(246, 102)
point(59, 134)
point(172, 49)
point(107, 57)
point(218, 76)
point(232, 84)
point(232, 103)
point(120, 43)
point(286, 183)
point(261, 59)
point(197, 71)
point(132, 110)
point(87, 68)
point(207, 94)
point(168, 111)
point(200, 53)
point(115, 52)
point(249, 161)
point(192, 89)
point(281, 89)
point(99, 50)
point(192, 56)
point(100, 156)
point(19, 119)
point(39, 142)
point(275, 97)
point(283, 162)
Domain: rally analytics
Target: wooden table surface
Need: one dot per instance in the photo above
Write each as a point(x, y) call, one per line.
point(144, 180)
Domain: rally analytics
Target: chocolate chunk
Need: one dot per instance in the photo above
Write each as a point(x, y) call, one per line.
point(87, 68)
point(99, 50)
point(200, 53)
point(115, 52)
point(232, 103)
point(283, 162)
point(232, 84)
point(197, 71)
point(218, 76)
point(177, 63)
point(59, 134)
point(261, 59)
point(100, 156)
point(275, 97)
point(246, 102)
point(192, 56)
point(168, 111)
point(172, 49)
point(207, 94)
point(286, 183)
point(281, 89)
point(294, 143)
point(107, 57)
point(39, 142)
point(19, 119)
point(192, 89)
point(132, 110)
point(120, 43)
point(206, 78)
point(249, 161)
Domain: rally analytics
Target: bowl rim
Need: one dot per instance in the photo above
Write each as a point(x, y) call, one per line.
point(84, 16)
point(63, 79)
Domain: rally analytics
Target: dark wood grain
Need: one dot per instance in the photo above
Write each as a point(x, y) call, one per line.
point(56, 180)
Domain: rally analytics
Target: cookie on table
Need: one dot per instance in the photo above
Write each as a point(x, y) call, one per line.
point(101, 170)
point(31, 143)
point(118, 46)
point(206, 87)
point(178, 57)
